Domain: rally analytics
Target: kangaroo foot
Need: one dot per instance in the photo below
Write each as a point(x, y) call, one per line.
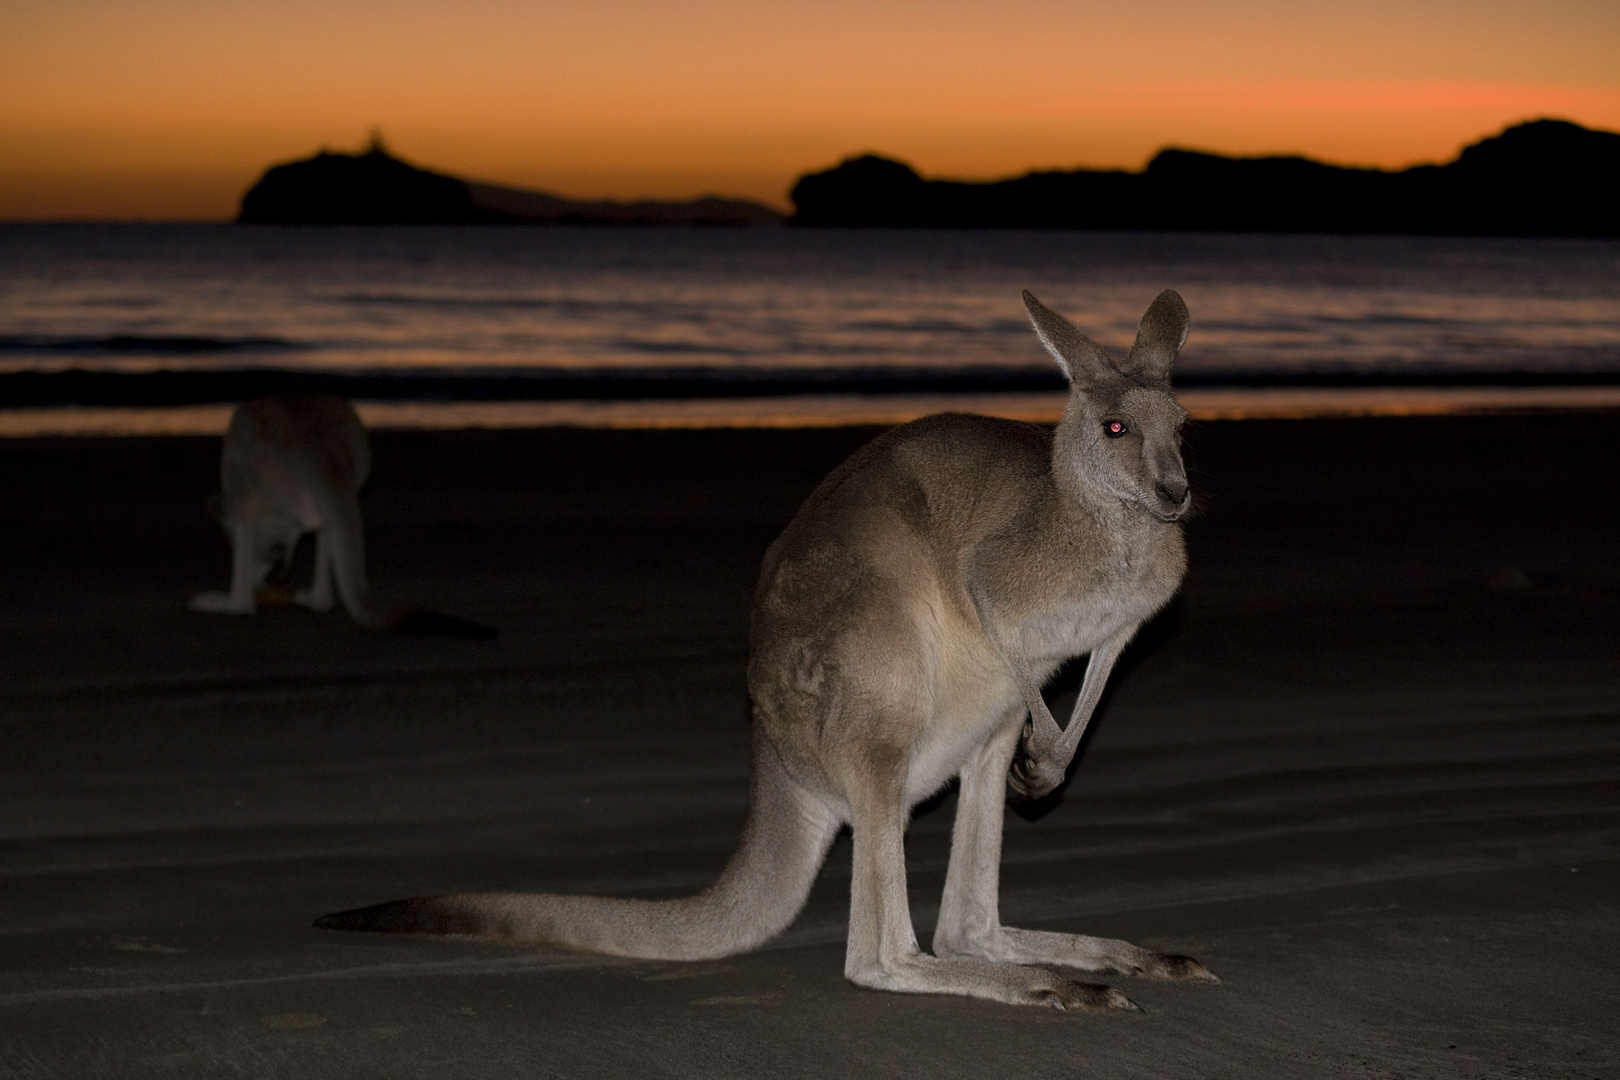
point(1012, 984)
point(1094, 954)
point(313, 599)
point(220, 603)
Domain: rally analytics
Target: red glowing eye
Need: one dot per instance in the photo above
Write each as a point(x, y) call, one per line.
point(1114, 428)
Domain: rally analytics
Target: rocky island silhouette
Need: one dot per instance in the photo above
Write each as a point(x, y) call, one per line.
point(1541, 178)
point(376, 188)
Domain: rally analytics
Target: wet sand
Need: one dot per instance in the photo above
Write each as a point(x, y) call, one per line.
point(1367, 768)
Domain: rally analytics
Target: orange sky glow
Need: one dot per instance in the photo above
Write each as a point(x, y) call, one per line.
point(168, 109)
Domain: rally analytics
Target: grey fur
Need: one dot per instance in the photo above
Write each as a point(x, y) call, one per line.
point(903, 625)
point(292, 464)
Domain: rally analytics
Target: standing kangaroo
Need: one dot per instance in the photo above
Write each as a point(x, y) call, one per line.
point(294, 464)
point(902, 628)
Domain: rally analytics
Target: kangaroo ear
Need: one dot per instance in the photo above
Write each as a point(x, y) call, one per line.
point(1160, 337)
point(1081, 359)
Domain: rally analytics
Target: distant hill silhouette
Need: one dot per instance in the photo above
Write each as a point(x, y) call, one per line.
point(1543, 178)
point(375, 188)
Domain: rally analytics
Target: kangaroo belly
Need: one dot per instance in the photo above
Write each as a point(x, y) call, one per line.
point(971, 703)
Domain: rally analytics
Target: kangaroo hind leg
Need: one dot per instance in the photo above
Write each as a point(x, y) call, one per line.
point(344, 533)
point(970, 915)
point(251, 563)
point(318, 597)
point(883, 952)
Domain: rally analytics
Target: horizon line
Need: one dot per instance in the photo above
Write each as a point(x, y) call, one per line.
point(375, 141)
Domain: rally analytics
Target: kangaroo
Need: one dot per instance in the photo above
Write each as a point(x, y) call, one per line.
point(294, 464)
point(903, 626)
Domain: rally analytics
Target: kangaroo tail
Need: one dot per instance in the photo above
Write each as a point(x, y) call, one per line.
point(759, 893)
point(438, 624)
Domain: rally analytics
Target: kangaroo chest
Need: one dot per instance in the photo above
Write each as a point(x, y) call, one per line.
point(1055, 636)
point(1136, 581)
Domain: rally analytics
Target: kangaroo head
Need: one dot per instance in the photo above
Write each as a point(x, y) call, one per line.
point(1121, 431)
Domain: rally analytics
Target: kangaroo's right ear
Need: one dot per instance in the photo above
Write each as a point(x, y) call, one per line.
point(1159, 339)
point(1081, 359)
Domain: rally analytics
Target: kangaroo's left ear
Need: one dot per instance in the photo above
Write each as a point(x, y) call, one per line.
point(1083, 361)
point(1159, 338)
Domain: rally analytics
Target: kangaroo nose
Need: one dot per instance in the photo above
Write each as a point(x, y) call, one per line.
point(1174, 494)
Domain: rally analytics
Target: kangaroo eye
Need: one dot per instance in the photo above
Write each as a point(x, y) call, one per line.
point(1115, 428)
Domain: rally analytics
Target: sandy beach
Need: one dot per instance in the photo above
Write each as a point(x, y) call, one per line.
point(1367, 768)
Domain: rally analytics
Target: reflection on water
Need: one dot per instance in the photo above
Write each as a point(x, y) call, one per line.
point(824, 410)
point(141, 298)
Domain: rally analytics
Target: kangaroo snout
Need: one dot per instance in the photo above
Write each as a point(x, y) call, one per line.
point(1172, 495)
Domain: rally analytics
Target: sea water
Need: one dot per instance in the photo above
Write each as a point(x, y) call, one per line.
point(149, 298)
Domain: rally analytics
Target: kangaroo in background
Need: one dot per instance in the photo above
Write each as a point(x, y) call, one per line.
point(294, 464)
point(903, 626)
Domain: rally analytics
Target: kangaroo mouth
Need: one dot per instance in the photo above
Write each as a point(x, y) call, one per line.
point(1167, 511)
point(1154, 503)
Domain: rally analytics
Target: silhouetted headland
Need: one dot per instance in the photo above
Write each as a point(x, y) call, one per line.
point(376, 188)
point(1542, 178)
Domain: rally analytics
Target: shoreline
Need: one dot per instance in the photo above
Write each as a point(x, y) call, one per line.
point(824, 410)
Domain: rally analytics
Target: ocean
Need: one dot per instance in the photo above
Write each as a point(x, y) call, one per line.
point(159, 327)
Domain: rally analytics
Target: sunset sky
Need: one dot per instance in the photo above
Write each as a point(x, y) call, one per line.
point(171, 108)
